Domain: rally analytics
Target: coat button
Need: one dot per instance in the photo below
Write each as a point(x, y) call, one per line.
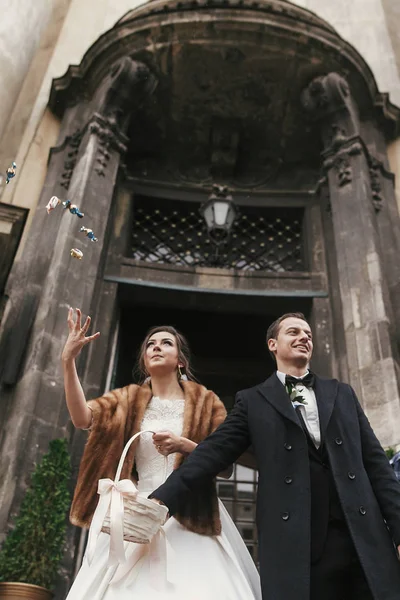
point(285, 516)
point(363, 511)
point(351, 475)
point(287, 446)
point(288, 480)
point(338, 441)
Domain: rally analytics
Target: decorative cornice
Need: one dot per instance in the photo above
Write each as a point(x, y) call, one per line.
point(277, 8)
point(350, 146)
point(389, 114)
point(110, 138)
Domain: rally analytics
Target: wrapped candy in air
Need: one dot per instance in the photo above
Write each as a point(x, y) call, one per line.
point(73, 209)
point(76, 253)
point(52, 204)
point(10, 173)
point(89, 234)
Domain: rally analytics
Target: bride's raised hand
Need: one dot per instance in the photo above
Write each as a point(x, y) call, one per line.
point(77, 338)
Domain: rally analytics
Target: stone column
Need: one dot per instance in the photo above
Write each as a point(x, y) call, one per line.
point(388, 224)
point(52, 280)
point(366, 309)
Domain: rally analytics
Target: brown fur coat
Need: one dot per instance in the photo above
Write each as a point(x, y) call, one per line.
point(117, 416)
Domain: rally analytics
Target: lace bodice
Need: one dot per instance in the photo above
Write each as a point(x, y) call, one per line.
point(160, 415)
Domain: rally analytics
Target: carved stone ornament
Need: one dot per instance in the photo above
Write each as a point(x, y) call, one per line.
point(328, 99)
point(110, 138)
point(126, 86)
point(344, 172)
point(338, 158)
point(130, 83)
point(71, 156)
point(325, 94)
point(376, 187)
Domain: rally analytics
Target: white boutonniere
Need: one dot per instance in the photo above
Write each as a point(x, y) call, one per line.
point(295, 394)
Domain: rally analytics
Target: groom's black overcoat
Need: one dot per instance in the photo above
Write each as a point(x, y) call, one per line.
point(263, 417)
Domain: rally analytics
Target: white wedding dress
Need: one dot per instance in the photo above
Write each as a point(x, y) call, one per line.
point(187, 566)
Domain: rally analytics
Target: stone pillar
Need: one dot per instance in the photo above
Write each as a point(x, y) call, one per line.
point(52, 280)
point(388, 224)
point(365, 302)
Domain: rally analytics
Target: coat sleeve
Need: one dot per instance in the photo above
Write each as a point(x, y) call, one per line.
point(217, 452)
point(381, 475)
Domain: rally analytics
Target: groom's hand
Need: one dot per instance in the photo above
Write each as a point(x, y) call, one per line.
point(161, 504)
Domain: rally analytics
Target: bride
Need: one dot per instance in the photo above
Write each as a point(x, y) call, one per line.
point(202, 556)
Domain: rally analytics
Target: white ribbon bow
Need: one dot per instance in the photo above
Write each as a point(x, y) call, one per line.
point(111, 497)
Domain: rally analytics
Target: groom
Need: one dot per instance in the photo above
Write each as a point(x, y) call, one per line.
point(328, 506)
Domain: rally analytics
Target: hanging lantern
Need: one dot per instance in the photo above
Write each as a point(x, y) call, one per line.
point(219, 213)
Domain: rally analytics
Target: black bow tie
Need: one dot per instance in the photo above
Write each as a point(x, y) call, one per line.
point(308, 380)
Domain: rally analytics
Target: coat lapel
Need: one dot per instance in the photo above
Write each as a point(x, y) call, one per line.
point(326, 391)
point(274, 391)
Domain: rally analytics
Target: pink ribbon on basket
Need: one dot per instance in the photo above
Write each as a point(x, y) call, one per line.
point(111, 497)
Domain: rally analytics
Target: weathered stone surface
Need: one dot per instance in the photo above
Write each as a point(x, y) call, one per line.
point(51, 280)
point(365, 300)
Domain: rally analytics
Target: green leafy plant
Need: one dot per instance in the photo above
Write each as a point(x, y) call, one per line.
point(33, 550)
point(390, 452)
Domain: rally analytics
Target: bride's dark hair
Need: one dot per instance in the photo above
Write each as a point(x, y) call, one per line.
point(183, 352)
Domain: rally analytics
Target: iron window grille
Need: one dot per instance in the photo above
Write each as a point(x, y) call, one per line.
point(174, 233)
point(238, 495)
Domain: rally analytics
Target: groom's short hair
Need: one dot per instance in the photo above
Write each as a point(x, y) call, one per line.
point(273, 329)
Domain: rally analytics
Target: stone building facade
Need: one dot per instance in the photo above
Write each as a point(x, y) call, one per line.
point(134, 113)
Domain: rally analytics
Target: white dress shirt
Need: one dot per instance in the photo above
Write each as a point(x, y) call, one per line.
point(308, 411)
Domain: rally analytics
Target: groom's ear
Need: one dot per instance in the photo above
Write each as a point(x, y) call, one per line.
point(272, 344)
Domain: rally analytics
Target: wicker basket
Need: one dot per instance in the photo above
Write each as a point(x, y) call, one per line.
point(123, 514)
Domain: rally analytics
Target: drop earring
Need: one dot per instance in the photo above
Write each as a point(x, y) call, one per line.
point(182, 376)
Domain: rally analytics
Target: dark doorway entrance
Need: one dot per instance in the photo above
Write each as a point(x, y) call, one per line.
point(229, 351)
point(226, 334)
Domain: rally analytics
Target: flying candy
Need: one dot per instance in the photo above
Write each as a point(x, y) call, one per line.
point(52, 204)
point(76, 253)
point(10, 173)
point(89, 234)
point(73, 209)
